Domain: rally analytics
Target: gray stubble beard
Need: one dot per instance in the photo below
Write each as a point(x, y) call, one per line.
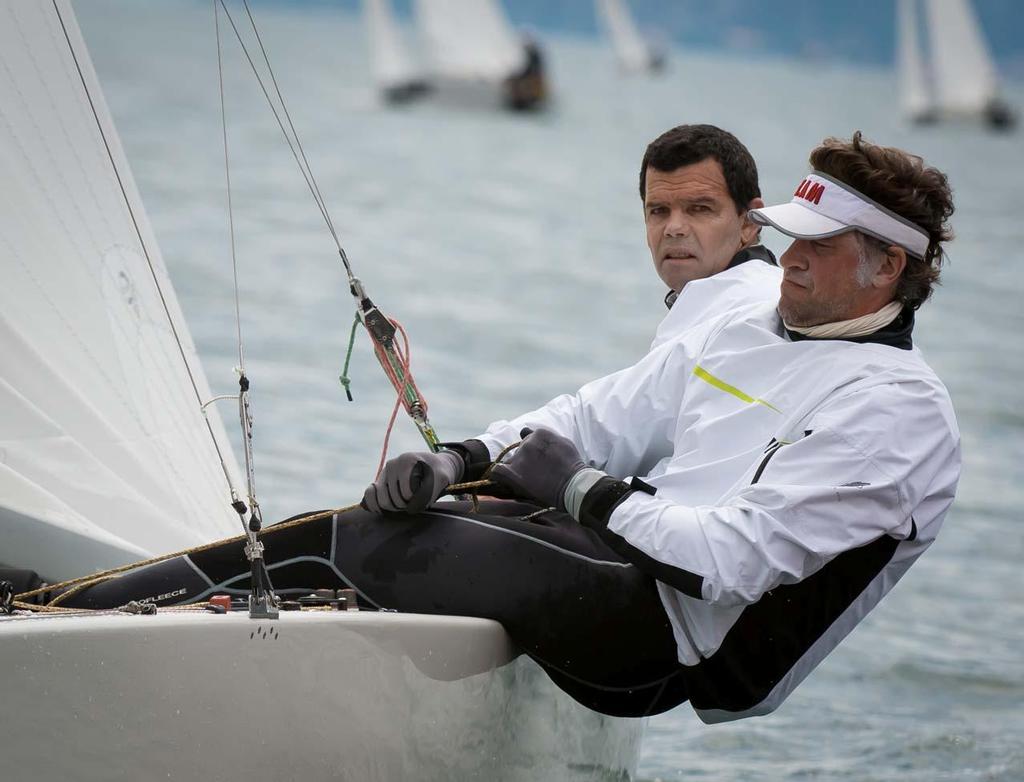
point(817, 313)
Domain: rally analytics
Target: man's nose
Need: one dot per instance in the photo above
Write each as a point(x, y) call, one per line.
point(677, 224)
point(794, 256)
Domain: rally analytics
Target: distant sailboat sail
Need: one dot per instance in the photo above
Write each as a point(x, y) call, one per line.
point(963, 72)
point(954, 74)
point(394, 69)
point(105, 456)
point(913, 76)
point(631, 50)
point(469, 40)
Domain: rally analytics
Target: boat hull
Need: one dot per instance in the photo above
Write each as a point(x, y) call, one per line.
point(311, 696)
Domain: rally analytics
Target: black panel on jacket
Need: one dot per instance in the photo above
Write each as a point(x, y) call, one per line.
point(772, 635)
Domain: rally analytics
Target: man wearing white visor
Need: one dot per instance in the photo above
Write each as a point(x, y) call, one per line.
point(708, 524)
point(773, 472)
point(839, 229)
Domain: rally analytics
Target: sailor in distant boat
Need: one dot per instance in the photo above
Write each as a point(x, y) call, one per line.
point(527, 88)
point(704, 526)
point(697, 183)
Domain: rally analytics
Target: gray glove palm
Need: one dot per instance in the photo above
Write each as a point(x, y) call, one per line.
point(412, 481)
point(540, 468)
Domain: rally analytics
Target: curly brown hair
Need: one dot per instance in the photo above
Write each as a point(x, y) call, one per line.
point(902, 183)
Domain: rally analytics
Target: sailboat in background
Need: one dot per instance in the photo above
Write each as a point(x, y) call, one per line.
point(107, 457)
point(397, 74)
point(953, 76)
point(468, 53)
point(634, 53)
point(472, 51)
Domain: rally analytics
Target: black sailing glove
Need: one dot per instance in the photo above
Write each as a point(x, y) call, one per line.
point(540, 468)
point(412, 481)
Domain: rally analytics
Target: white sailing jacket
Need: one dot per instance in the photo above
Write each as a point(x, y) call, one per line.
point(700, 300)
point(796, 481)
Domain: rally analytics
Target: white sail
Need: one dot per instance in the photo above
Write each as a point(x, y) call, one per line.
point(630, 48)
point(962, 68)
point(104, 454)
point(469, 39)
point(914, 87)
point(391, 62)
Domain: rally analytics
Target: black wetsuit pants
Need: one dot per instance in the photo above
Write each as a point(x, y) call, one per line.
point(593, 621)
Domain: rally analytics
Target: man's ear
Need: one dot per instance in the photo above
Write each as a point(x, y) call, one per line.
point(750, 230)
point(891, 268)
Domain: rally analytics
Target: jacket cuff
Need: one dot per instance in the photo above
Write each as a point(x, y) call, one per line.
point(602, 499)
point(598, 506)
point(577, 488)
point(475, 457)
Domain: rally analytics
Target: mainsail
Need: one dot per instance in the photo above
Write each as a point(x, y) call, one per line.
point(964, 75)
point(469, 39)
point(391, 62)
point(631, 50)
point(952, 74)
point(105, 456)
point(914, 85)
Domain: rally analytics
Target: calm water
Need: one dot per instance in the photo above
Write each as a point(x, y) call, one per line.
point(512, 250)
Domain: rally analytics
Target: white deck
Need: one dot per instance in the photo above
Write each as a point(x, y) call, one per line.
point(311, 696)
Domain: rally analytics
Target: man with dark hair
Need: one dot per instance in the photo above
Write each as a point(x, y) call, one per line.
point(697, 183)
point(706, 525)
point(772, 472)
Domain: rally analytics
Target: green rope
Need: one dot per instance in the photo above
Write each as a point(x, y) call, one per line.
point(344, 378)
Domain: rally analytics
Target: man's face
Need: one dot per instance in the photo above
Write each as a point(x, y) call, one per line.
point(693, 228)
point(828, 280)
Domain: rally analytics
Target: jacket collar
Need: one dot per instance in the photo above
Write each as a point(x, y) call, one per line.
point(898, 334)
point(756, 252)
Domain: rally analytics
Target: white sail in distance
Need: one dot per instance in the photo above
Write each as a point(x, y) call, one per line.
point(105, 456)
point(631, 49)
point(468, 39)
point(391, 62)
point(964, 75)
point(914, 87)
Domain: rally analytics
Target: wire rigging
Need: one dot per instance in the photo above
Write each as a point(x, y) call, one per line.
point(262, 601)
point(244, 416)
point(382, 329)
point(293, 143)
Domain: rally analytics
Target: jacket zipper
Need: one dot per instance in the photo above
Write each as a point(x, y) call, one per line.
point(772, 449)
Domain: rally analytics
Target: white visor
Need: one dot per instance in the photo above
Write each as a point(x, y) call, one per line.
point(822, 207)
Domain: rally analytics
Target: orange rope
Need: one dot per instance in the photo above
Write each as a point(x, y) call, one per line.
point(404, 355)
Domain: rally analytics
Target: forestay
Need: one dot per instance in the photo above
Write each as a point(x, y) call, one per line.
point(105, 456)
point(468, 39)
